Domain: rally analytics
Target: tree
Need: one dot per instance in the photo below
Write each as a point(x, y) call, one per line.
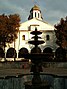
point(9, 27)
point(61, 33)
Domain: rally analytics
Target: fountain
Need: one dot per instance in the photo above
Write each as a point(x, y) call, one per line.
point(36, 59)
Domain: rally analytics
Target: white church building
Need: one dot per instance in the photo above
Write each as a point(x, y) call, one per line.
point(35, 20)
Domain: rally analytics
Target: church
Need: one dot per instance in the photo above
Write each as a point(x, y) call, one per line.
point(35, 20)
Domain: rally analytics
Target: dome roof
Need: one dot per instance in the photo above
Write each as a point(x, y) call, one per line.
point(35, 7)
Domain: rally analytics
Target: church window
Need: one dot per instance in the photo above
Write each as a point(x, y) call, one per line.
point(35, 14)
point(23, 37)
point(47, 37)
point(38, 15)
point(31, 15)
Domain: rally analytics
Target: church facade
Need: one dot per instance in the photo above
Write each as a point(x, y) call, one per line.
point(35, 20)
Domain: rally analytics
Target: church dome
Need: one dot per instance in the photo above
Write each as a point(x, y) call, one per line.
point(35, 7)
point(35, 12)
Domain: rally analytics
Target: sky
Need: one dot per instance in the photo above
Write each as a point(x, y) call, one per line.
point(52, 10)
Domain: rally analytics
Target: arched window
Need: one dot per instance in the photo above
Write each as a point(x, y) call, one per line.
point(31, 14)
point(2, 54)
point(38, 15)
point(11, 53)
point(23, 37)
point(35, 14)
point(22, 51)
point(47, 37)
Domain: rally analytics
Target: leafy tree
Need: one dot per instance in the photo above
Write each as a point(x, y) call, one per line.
point(9, 27)
point(61, 33)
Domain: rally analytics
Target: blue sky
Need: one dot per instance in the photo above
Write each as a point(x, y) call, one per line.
point(52, 10)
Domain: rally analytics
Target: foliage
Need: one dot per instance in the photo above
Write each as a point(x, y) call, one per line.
point(9, 27)
point(61, 33)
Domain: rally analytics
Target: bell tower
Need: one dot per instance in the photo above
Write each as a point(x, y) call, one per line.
point(35, 12)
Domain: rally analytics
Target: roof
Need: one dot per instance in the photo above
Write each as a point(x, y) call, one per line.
point(36, 22)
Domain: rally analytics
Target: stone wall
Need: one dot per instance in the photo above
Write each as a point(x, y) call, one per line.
point(14, 65)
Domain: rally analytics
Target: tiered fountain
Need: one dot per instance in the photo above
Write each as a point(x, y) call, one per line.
point(36, 60)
